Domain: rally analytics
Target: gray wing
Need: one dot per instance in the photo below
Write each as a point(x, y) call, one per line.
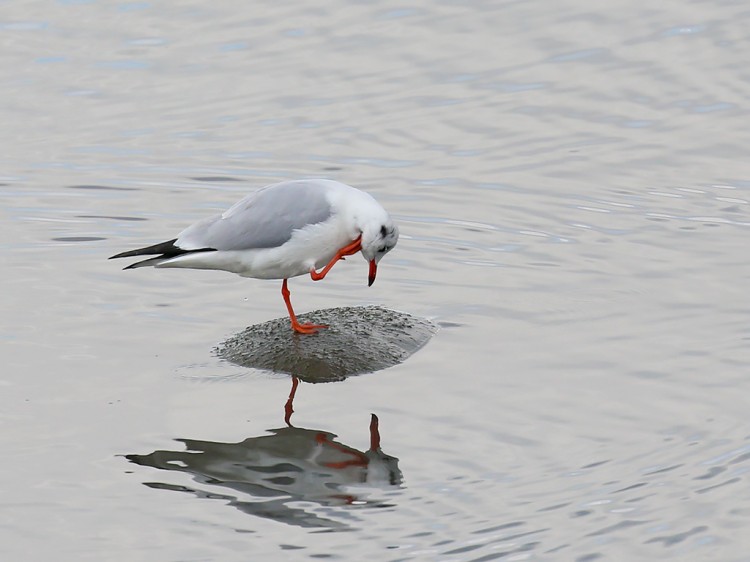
point(264, 219)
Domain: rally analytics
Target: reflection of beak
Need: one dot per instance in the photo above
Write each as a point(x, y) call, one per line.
point(373, 272)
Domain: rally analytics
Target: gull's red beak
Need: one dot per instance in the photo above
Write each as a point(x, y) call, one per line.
point(373, 272)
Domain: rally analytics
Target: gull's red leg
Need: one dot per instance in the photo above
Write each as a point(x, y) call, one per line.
point(348, 250)
point(296, 326)
point(289, 406)
point(353, 248)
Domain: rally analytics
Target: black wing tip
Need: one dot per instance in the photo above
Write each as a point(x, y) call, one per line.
point(166, 248)
point(162, 251)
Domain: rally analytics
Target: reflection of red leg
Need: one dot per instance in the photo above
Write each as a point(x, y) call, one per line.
point(348, 250)
point(360, 459)
point(374, 433)
point(348, 499)
point(289, 406)
point(296, 326)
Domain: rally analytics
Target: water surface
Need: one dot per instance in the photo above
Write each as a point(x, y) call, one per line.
point(572, 188)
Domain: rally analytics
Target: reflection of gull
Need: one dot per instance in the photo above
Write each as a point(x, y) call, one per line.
point(289, 465)
point(283, 230)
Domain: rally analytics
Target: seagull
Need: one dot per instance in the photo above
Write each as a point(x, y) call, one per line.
point(282, 230)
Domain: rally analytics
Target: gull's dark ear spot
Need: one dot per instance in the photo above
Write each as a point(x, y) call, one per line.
point(383, 231)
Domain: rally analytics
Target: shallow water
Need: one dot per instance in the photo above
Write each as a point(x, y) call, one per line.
point(572, 189)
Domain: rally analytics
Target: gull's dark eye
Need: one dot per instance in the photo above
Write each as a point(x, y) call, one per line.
point(383, 231)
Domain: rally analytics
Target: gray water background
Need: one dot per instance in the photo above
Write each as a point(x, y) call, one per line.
point(572, 185)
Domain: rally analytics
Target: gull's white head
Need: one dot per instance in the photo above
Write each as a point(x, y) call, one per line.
point(378, 238)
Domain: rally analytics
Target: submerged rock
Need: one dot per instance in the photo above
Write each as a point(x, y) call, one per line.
point(358, 340)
